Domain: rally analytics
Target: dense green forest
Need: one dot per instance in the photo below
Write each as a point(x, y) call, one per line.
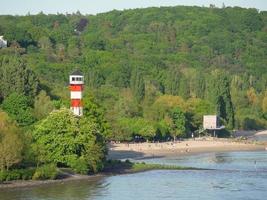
point(150, 72)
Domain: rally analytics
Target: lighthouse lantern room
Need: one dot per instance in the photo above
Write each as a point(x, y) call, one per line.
point(76, 90)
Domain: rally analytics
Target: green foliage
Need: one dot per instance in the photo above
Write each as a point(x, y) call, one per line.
point(42, 105)
point(163, 129)
point(16, 174)
point(11, 145)
point(125, 106)
point(178, 125)
point(252, 124)
point(61, 138)
point(219, 93)
point(95, 114)
point(164, 104)
point(79, 165)
point(121, 130)
point(264, 103)
point(197, 108)
point(142, 63)
point(137, 85)
point(139, 167)
point(127, 128)
point(118, 166)
point(18, 107)
point(172, 82)
point(48, 171)
point(151, 73)
point(15, 76)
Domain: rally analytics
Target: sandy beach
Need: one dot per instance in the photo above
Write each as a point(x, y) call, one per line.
point(188, 147)
point(162, 149)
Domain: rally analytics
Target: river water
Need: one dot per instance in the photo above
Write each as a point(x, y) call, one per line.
point(236, 175)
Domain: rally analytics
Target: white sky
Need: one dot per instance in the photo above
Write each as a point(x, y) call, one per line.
point(22, 7)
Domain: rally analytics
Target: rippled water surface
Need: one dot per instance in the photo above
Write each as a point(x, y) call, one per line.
point(236, 176)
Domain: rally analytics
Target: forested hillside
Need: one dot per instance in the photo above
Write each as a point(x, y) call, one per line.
point(154, 72)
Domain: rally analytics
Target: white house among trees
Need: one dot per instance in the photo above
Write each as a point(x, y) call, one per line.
point(210, 122)
point(3, 43)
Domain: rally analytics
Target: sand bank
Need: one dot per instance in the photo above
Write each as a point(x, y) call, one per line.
point(188, 147)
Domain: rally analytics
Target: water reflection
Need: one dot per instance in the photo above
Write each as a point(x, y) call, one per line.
point(80, 190)
point(221, 158)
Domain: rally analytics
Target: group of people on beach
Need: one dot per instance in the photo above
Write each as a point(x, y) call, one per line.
point(149, 146)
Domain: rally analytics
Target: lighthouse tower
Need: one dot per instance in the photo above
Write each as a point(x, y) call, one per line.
point(76, 90)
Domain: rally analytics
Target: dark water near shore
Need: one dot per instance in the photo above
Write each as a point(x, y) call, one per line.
point(236, 177)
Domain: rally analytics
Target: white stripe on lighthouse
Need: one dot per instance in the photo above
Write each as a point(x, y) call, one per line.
point(76, 95)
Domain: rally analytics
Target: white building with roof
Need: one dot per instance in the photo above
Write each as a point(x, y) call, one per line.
point(3, 43)
point(212, 123)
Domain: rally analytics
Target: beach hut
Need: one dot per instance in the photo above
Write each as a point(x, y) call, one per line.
point(212, 123)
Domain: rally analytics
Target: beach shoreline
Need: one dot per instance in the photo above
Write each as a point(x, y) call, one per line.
point(148, 150)
point(180, 148)
point(118, 169)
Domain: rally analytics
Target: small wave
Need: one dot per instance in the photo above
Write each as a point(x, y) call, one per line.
point(235, 190)
point(218, 187)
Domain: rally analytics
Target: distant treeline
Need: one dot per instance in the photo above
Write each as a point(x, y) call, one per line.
point(152, 72)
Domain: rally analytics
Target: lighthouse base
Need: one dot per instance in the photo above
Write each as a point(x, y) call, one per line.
point(78, 111)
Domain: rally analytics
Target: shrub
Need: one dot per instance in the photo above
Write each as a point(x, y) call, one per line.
point(252, 124)
point(2, 176)
point(79, 165)
point(27, 174)
point(18, 174)
point(44, 172)
point(13, 175)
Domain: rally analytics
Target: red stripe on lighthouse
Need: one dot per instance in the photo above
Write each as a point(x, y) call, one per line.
point(76, 88)
point(76, 103)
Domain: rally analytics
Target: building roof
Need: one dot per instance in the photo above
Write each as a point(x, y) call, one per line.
point(76, 73)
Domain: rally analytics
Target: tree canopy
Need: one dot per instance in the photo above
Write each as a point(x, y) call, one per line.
point(66, 140)
point(11, 145)
point(140, 64)
point(150, 74)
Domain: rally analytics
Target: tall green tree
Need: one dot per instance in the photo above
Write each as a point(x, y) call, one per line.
point(42, 105)
point(173, 82)
point(18, 108)
point(11, 145)
point(184, 88)
point(219, 94)
point(64, 139)
point(178, 123)
point(15, 76)
point(138, 85)
point(95, 113)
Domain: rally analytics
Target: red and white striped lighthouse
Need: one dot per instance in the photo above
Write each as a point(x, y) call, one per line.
point(76, 90)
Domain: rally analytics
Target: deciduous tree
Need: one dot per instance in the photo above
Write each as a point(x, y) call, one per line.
point(10, 143)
